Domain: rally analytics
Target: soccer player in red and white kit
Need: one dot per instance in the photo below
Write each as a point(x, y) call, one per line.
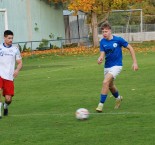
point(10, 65)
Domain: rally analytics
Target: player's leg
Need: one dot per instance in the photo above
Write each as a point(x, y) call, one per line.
point(0, 103)
point(8, 92)
point(115, 71)
point(1, 86)
point(115, 93)
point(8, 100)
point(104, 91)
point(114, 90)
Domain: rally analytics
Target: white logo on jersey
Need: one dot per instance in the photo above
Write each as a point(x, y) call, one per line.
point(1, 53)
point(115, 45)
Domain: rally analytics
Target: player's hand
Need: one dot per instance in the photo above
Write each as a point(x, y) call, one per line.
point(100, 59)
point(135, 66)
point(15, 73)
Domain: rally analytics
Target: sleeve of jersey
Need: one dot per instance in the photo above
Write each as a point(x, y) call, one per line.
point(18, 55)
point(123, 42)
point(101, 46)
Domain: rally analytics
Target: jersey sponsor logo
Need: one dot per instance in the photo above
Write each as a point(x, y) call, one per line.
point(115, 45)
point(5, 54)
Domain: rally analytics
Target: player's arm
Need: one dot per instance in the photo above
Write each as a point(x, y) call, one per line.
point(132, 52)
point(101, 57)
point(18, 68)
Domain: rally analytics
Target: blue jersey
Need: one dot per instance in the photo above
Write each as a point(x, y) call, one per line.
point(113, 51)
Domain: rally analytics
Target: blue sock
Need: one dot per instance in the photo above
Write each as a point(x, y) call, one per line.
point(103, 98)
point(116, 94)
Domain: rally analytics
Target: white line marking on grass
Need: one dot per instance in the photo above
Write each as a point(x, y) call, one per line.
point(42, 114)
point(73, 114)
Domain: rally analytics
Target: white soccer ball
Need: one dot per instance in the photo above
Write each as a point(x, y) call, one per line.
point(82, 114)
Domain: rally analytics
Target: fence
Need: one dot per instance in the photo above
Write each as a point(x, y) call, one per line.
point(131, 28)
point(133, 35)
point(52, 44)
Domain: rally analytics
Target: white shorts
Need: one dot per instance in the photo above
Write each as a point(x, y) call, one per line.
point(115, 70)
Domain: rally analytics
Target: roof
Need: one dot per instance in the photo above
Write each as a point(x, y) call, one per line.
point(68, 13)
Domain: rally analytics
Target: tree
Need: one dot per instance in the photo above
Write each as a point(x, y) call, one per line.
point(57, 3)
point(97, 7)
point(148, 7)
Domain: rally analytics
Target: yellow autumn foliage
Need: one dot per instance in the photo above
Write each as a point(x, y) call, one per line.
point(99, 6)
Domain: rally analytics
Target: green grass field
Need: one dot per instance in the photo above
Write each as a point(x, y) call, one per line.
point(49, 90)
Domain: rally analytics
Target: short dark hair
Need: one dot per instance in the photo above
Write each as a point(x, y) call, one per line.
point(7, 32)
point(105, 26)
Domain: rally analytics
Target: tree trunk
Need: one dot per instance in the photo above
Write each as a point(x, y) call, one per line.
point(95, 30)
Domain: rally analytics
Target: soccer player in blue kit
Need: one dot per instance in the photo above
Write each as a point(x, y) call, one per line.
point(111, 50)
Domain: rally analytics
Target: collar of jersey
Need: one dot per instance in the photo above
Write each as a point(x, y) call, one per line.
point(6, 46)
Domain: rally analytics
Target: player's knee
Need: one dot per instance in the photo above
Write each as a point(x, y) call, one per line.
point(106, 83)
point(8, 99)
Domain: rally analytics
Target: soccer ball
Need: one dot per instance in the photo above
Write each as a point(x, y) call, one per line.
point(82, 114)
